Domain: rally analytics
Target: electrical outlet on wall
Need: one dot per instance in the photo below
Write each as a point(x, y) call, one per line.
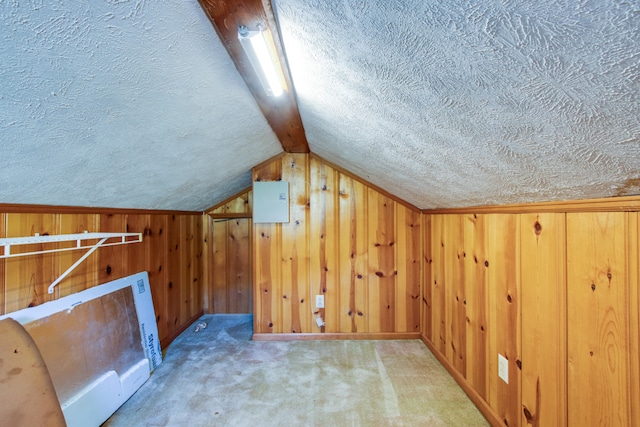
point(503, 368)
point(319, 301)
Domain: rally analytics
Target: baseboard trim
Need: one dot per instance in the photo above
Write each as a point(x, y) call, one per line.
point(339, 336)
point(164, 343)
point(477, 400)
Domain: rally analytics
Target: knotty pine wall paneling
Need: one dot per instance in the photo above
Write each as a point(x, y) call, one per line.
point(353, 256)
point(3, 223)
point(426, 312)
point(599, 313)
point(504, 318)
point(476, 302)
point(543, 298)
point(454, 292)
point(239, 266)
point(267, 263)
point(382, 267)
point(24, 280)
point(27, 278)
point(634, 310)
point(85, 272)
point(323, 241)
point(408, 278)
point(556, 293)
point(138, 256)
point(221, 252)
point(342, 242)
point(239, 203)
point(157, 269)
point(437, 281)
point(227, 256)
point(295, 293)
point(174, 276)
point(186, 265)
point(111, 260)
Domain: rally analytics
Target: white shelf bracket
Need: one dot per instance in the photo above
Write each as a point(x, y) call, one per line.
point(77, 263)
point(104, 239)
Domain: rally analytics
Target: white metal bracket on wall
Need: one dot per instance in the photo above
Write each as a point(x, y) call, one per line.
point(83, 241)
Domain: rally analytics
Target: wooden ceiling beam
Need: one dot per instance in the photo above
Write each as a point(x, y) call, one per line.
point(281, 112)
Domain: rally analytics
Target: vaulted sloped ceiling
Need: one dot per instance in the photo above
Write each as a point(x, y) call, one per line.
point(454, 104)
point(138, 104)
point(132, 104)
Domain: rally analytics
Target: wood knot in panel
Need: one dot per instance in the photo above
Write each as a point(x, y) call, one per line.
point(537, 228)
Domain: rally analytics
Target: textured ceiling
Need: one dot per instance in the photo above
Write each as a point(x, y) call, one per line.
point(137, 104)
point(454, 104)
point(132, 104)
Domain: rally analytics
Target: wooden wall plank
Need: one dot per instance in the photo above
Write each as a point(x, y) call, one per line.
point(476, 297)
point(408, 280)
point(138, 255)
point(426, 313)
point(218, 278)
point(323, 240)
point(174, 246)
point(353, 257)
point(111, 260)
point(599, 374)
point(266, 278)
point(239, 286)
point(3, 281)
point(634, 313)
point(198, 270)
point(544, 319)
point(455, 308)
point(157, 269)
point(267, 263)
point(84, 275)
point(382, 263)
point(193, 257)
point(504, 322)
point(239, 203)
point(27, 279)
point(295, 253)
point(438, 290)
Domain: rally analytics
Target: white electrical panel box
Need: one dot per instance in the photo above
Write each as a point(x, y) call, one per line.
point(270, 201)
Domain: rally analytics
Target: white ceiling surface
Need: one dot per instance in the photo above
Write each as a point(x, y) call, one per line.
point(455, 104)
point(132, 104)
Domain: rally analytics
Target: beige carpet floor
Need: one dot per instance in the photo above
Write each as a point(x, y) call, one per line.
point(219, 377)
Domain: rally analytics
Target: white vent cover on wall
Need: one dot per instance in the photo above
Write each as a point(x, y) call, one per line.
point(270, 202)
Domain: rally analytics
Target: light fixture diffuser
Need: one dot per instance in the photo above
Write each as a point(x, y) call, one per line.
point(255, 46)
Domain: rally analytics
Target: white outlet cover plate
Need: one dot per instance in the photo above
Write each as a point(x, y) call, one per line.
point(503, 368)
point(319, 301)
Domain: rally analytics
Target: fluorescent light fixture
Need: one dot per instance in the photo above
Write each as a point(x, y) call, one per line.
point(255, 46)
